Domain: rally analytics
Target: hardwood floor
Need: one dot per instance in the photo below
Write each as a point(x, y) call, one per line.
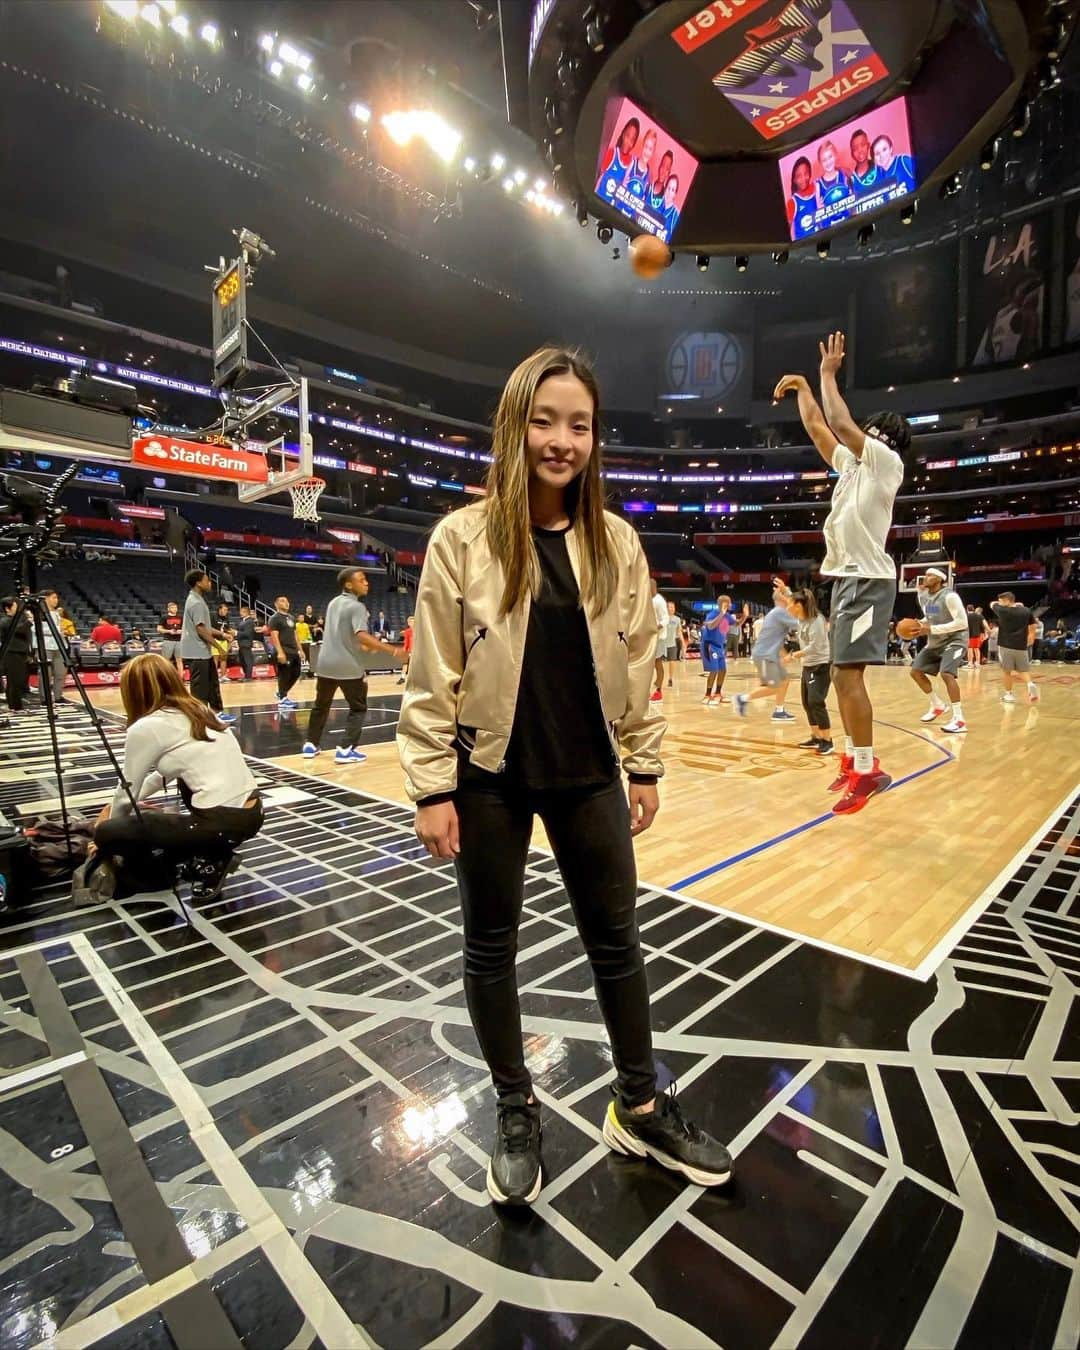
point(746, 822)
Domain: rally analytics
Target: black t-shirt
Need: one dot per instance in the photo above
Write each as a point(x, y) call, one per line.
point(173, 623)
point(975, 624)
point(284, 625)
point(1013, 621)
point(559, 737)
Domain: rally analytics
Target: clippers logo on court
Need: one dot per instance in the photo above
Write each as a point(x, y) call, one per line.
point(792, 61)
point(199, 459)
point(704, 365)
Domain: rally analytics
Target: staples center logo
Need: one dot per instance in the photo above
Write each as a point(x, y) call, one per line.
point(200, 459)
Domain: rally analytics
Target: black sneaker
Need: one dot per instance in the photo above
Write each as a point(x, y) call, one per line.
point(811, 744)
point(665, 1136)
point(824, 747)
point(514, 1176)
point(207, 876)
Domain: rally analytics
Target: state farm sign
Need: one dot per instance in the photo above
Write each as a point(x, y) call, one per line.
point(166, 454)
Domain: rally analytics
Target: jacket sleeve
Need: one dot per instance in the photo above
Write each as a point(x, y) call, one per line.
point(642, 726)
point(428, 721)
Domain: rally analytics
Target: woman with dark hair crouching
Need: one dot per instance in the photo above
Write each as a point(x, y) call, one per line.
point(171, 735)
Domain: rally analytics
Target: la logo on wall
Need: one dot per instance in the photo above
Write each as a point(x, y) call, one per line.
point(704, 365)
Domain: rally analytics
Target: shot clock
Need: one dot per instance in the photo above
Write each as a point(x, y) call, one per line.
point(229, 304)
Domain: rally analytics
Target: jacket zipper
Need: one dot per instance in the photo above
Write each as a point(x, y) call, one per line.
point(481, 633)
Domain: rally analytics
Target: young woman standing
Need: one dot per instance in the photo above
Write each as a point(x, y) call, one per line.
point(816, 679)
point(530, 673)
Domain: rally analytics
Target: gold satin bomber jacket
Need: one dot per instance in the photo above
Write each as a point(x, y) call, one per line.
point(466, 660)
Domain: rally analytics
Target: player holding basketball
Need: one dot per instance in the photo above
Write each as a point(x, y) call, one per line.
point(945, 627)
point(864, 591)
point(714, 634)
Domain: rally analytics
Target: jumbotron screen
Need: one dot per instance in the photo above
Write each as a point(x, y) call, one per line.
point(857, 167)
point(642, 171)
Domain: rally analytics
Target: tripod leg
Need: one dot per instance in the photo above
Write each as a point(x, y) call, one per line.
point(41, 617)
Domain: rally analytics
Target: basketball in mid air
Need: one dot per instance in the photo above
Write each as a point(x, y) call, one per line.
point(649, 256)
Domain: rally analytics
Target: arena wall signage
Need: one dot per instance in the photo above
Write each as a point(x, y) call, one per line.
point(167, 454)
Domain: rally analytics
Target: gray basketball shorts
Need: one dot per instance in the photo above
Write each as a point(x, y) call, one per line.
point(944, 660)
point(771, 672)
point(859, 620)
point(1012, 660)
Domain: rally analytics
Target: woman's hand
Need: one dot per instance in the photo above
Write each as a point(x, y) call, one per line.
point(644, 804)
point(437, 829)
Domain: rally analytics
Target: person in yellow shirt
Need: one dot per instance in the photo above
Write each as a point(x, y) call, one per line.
point(303, 637)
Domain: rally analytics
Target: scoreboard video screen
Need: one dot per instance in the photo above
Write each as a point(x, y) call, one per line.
point(642, 171)
point(857, 167)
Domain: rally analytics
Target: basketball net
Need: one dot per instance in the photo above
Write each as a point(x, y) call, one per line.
point(305, 495)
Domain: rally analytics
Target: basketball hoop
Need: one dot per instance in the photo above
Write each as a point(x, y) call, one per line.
point(305, 495)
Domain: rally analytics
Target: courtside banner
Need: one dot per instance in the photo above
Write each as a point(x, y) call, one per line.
point(166, 453)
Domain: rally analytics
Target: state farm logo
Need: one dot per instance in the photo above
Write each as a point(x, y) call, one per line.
point(201, 458)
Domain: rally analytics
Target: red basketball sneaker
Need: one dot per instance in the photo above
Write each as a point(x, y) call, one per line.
point(847, 768)
point(860, 788)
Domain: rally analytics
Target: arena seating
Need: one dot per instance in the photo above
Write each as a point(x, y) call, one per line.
point(135, 587)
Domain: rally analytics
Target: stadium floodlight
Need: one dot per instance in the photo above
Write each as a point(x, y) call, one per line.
point(209, 34)
point(361, 112)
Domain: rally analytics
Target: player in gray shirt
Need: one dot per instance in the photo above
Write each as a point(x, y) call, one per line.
point(196, 651)
point(341, 663)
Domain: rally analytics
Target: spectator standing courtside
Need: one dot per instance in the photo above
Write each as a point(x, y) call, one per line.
point(169, 627)
point(245, 642)
point(55, 648)
point(16, 652)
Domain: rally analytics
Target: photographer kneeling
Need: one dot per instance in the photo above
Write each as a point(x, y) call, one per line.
point(172, 735)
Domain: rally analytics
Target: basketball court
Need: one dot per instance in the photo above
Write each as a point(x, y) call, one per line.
point(746, 822)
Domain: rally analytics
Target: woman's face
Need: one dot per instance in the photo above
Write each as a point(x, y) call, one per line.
point(827, 160)
point(627, 141)
point(802, 178)
point(883, 153)
point(559, 439)
point(670, 189)
point(664, 169)
point(648, 145)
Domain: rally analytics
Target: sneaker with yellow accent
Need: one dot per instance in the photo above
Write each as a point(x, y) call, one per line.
point(668, 1138)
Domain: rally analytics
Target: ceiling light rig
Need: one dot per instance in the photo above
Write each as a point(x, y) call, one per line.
point(286, 61)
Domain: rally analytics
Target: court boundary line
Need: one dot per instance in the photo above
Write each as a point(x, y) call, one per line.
point(939, 953)
point(649, 887)
point(947, 758)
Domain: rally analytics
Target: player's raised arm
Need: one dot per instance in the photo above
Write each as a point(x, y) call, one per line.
point(813, 419)
point(848, 431)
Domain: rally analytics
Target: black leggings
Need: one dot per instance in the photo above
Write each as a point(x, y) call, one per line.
point(816, 682)
point(212, 833)
point(589, 830)
point(16, 680)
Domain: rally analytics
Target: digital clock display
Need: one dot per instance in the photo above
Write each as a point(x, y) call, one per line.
point(229, 288)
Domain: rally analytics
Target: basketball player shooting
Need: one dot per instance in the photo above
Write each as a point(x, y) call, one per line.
point(867, 458)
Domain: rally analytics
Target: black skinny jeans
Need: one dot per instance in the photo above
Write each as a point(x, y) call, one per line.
point(355, 692)
point(589, 830)
point(212, 833)
point(816, 682)
point(288, 672)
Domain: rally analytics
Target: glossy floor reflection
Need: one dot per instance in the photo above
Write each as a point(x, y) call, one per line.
point(299, 1075)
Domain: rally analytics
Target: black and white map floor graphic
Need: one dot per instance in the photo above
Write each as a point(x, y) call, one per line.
point(270, 1128)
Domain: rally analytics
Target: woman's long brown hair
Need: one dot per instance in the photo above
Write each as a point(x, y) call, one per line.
point(149, 682)
point(509, 530)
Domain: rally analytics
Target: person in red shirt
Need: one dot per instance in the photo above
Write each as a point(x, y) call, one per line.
point(105, 631)
point(406, 642)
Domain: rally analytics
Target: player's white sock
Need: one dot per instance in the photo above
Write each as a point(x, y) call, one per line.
point(957, 712)
point(849, 746)
point(779, 708)
point(864, 759)
point(1033, 688)
point(936, 704)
